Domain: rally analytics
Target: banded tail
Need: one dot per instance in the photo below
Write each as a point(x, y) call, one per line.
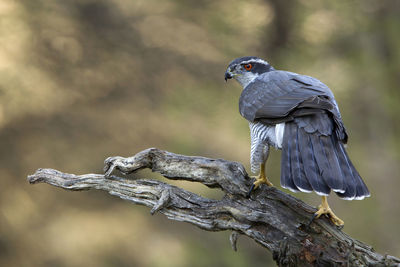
point(313, 161)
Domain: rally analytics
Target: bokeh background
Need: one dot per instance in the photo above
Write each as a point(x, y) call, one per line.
point(82, 80)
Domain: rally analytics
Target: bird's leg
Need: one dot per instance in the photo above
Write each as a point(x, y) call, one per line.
point(325, 209)
point(260, 179)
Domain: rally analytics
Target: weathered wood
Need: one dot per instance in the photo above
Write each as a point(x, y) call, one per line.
point(274, 219)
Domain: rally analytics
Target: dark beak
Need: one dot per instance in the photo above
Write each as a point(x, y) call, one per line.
point(228, 75)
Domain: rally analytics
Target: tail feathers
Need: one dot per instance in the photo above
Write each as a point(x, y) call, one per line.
point(362, 189)
point(356, 188)
point(327, 161)
point(297, 166)
point(310, 164)
point(315, 162)
point(286, 166)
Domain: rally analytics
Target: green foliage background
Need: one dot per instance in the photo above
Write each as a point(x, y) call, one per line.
point(84, 80)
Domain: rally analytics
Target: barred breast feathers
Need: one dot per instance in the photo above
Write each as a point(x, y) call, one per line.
point(262, 136)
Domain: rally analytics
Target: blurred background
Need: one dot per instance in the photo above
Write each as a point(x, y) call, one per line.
point(84, 80)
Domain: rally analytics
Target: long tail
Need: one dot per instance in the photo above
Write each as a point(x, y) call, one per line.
point(316, 162)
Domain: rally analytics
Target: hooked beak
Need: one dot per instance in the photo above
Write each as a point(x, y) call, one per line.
point(228, 75)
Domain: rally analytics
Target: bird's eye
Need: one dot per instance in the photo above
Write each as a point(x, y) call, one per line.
point(248, 66)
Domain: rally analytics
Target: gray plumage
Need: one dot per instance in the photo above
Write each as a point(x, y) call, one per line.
point(298, 114)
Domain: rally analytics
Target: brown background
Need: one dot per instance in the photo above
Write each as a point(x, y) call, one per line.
point(84, 80)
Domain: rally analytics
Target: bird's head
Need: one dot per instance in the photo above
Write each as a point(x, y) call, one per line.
point(246, 69)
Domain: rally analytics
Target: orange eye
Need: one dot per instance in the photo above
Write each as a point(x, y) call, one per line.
point(248, 66)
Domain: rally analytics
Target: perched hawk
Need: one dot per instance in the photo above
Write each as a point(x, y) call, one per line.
point(298, 114)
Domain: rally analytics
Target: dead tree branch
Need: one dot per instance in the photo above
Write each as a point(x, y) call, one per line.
point(276, 220)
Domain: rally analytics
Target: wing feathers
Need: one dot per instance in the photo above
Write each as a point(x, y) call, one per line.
point(281, 96)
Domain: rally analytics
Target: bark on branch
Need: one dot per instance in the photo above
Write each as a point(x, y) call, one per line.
point(274, 219)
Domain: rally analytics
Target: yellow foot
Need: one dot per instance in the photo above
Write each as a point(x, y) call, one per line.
point(325, 209)
point(260, 179)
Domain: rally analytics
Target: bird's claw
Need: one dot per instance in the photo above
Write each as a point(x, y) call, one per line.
point(251, 189)
point(312, 219)
point(322, 209)
point(261, 179)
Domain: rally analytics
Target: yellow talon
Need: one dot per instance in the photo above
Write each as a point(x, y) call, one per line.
point(325, 209)
point(262, 178)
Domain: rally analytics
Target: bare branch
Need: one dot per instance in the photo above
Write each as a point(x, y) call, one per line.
point(276, 220)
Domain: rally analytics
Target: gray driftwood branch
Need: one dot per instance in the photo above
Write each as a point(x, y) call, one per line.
point(276, 220)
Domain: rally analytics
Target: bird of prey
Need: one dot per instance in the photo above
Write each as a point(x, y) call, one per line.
point(299, 115)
